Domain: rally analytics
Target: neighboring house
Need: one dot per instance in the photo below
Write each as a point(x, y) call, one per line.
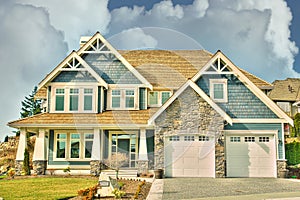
point(191, 113)
point(286, 94)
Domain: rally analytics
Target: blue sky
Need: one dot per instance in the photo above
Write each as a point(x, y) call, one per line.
point(260, 36)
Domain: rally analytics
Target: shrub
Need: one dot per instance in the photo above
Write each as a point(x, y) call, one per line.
point(88, 193)
point(292, 153)
point(118, 193)
point(11, 172)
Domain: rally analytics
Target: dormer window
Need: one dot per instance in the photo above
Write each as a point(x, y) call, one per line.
point(218, 90)
point(158, 98)
point(59, 99)
point(122, 99)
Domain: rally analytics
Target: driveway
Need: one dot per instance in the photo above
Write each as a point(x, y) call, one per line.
point(230, 188)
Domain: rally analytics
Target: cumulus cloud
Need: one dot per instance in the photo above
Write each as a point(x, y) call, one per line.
point(138, 40)
point(254, 34)
point(76, 18)
point(30, 48)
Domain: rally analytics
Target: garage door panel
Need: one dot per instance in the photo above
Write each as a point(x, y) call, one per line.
point(254, 158)
point(190, 158)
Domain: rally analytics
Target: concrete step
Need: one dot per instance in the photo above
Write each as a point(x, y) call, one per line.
point(122, 173)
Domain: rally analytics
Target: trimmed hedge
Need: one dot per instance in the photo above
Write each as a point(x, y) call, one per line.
point(292, 153)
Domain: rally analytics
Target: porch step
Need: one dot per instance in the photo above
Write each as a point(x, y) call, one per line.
point(122, 173)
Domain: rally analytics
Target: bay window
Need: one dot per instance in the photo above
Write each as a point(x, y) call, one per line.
point(122, 99)
point(74, 99)
point(88, 99)
point(116, 98)
point(75, 145)
point(59, 99)
point(61, 143)
point(129, 99)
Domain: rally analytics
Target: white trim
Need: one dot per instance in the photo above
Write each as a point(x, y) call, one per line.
point(60, 68)
point(83, 49)
point(40, 146)
point(282, 141)
point(247, 132)
point(222, 81)
point(200, 92)
point(257, 120)
point(251, 86)
point(123, 98)
point(22, 145)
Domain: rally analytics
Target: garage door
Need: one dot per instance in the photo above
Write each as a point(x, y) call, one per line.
point(189, 156)
point(250, 156)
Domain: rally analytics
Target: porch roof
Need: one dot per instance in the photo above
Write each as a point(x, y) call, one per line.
point(108, 118)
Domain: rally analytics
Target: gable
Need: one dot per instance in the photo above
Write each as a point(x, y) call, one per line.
point(242, 103)
point(109, 64)
point(221, 66)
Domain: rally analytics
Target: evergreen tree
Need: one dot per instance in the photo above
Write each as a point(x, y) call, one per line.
point(30, 106)
point(26, 166)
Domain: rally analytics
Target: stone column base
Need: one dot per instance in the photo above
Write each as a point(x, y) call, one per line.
point(19, 167)
point(96, 167)
point(142, 166)
point(39, 167)
point(281, 169)
point(220, 161)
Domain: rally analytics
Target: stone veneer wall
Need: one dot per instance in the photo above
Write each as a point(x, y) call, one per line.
point(282, 171)
point(189, 113)
point(39, 167)
point(19, 167)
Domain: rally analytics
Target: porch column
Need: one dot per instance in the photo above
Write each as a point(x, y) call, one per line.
point(96, 155)
point(142, 162)
point(20, 152)
point(39, 154)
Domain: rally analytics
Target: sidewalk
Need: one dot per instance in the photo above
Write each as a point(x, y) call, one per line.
point(156, 191)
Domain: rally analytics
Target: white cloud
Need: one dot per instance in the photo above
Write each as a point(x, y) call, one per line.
point(76, 18)
point(138, 40)
point(30, 48)
point(254, 34)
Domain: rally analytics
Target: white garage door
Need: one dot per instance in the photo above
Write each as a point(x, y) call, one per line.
point(189, 156)
point(250, 156)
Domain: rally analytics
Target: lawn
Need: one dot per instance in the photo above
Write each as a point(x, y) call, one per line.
point(44, 187)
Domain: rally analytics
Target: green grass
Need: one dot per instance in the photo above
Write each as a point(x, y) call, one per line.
point(43, 187)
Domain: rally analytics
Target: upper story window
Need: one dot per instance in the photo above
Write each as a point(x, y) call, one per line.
point(218, 90)
point(77, 99)
point(285, 106)
point(122, 99)
point(158, 98)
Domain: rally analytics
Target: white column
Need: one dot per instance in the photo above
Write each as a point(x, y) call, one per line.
point(96, 145)
point(22, 145)
point(39, 153)
point(143, 145)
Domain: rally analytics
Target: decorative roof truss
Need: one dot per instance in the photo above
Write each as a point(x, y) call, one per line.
point(218, 67)
point(97, 47)
point(73, 65)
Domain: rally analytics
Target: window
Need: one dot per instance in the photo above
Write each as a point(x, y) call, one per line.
point(74, 96)
point(129, 99)
point(174, 138)
point(249, 139)
point(59, 99)
point(189, 138)
point(88, 99)
point(157, 98)
point(153, 98)
point(73, 100)
point(203, 138)
point(264, 139)
point(285, 106)
point(116, 99)
point(218, 90)
point(235, 139)
point(88, 144)
point(74, 145)
point(61, 142)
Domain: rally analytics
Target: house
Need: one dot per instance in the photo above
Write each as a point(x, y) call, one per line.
point(188, 112)
point(286, 94)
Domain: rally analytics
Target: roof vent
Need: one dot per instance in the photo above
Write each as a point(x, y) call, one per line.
point(83, 40)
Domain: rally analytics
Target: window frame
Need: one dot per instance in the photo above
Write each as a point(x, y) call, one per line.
point(68, 142)
point(68, 95)
point(123, 97)
point(159, 98)
point(223, 82)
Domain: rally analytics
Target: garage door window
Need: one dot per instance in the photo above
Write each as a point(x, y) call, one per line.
point(203, 138)
point(249, 139)
point(264, 139)
point(189, 138)
point(235, 139)
point(174, 138)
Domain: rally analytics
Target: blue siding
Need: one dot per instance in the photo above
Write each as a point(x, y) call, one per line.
point(277, 127)
point(51, 152)
point(242, 103)
point(111, 70)
point(74, 76)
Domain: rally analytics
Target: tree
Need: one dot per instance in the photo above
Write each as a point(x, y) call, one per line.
point(296, 124)
point(30, 106)
point(116, 161)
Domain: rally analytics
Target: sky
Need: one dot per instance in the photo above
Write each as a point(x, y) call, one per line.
point(260, 36)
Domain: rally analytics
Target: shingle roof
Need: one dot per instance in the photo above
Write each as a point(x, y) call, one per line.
point(286, 90)
point(138, 117)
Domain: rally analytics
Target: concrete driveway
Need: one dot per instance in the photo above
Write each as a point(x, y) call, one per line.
point(230, 188)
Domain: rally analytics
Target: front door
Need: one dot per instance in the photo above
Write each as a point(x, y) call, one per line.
point(124, 143)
